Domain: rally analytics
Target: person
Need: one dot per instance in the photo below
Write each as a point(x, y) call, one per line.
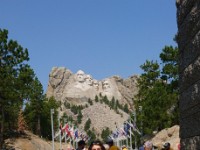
point(96, 145)
point(111, 144)
point(166, 146)
point(179, 146)
point(106, 146)
point(81, 145)
point(141, 148)
point(142, 145)
point(148, 145)
point(124, 147)
point(68, 147)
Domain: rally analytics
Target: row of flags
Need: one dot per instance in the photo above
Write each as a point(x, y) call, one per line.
point(72, 133)
point(75, 134)
point(124, 131)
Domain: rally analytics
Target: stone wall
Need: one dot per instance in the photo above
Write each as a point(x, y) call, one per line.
point(188, 20)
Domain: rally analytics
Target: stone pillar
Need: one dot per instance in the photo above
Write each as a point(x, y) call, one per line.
point(188, 38)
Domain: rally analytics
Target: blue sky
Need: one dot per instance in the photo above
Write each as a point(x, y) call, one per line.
point(100, 37)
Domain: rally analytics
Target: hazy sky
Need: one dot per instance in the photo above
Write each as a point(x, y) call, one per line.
point(100, 37)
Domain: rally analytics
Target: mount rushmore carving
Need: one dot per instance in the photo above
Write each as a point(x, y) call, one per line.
point(79, 87)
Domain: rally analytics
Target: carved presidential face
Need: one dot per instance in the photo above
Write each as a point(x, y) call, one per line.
point(96, 84)
point(80, 76)
point(106, 85)
point(89, 80)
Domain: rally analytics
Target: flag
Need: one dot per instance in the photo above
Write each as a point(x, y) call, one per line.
point(71, 132)
point(76, 134)
point(135, 128)
point(115, 134)
point(122, 132)
point(126, 128)
point(67, 130)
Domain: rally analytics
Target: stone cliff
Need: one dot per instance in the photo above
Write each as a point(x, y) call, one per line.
point(78, 88)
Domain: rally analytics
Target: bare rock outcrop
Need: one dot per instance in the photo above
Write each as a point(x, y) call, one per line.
point(170, 135)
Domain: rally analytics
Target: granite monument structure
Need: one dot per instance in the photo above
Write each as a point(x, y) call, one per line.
point(79, 87)
point(188, 38)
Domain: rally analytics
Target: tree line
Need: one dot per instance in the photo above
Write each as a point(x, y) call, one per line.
point(157, 102)
point(20, 89)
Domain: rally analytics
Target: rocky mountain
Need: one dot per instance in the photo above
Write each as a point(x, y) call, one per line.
point(77, 89)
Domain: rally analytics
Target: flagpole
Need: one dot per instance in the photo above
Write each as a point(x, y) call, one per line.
point(141, 124)
point(65, 137)
point(76, 145)
point(60, 130)
point(130, 139)
point(70, 135)
point(74, 138)
point(126, 141)
point(65, 120)
point(120, 143)
point(134, 114)
point(52, 112)
point(70, 143)
point(117, 142)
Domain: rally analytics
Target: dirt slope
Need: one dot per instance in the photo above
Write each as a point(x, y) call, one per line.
point(33, 142)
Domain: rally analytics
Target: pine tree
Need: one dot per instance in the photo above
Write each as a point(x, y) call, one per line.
point(13, 90)
point(87, 125)
point(158, 92)
point(90, 101)
point(105, 100)
point(36, 106)
point(21, 122)
point(48, 104)
point(79, 117)
point(105, 133)
point(126, 108)
point(91, 135)
point(96, 98)
point(112, 103)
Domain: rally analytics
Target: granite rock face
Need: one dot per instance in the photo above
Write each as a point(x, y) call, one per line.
point(79, 87)
point(188, 19)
